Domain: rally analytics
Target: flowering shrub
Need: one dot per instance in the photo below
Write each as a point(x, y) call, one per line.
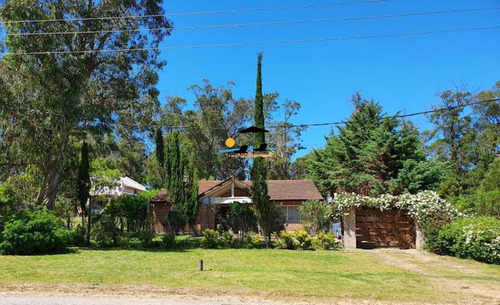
point(210, 239)
point(325, 241)
point(251, 240)
point(285, 240)
point(302, 240)
point(476, 238)
point(421, 206)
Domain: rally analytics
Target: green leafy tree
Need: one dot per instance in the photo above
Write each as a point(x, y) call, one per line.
point(58, 86)
point(315, 215)
point(287, 141)
point(452, 139)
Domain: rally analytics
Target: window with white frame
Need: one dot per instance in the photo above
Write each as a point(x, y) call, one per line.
point(291, 213)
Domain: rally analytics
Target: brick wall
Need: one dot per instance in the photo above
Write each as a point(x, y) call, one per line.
point(160, 210)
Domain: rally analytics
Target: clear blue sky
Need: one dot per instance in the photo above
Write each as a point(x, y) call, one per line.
point(401, 73)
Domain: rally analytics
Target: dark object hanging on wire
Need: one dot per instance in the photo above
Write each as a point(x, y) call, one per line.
point(252, 129)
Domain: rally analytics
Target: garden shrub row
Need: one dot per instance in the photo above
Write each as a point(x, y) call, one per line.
point(283, 240)
point(303, 241)
point(475, 238)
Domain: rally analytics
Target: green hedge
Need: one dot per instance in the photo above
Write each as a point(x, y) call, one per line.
point(36, 231)
point(476, 238)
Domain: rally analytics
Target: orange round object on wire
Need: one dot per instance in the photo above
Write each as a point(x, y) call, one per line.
point(230, 142)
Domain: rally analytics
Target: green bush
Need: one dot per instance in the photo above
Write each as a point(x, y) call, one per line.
point(240, 217)
point(325, 241)
point(230, 240)
point(315, 215)
point(135, 243)
point(475, 238)
point(36, 231)
point(104, 231)
point(78, 236)
point(168, 241)
point(175, 221)
point(285, 240)
point(303, 241)
point(251, 240)
point(210, 239)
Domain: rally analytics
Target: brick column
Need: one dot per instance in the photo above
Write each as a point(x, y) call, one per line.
point(349, 238)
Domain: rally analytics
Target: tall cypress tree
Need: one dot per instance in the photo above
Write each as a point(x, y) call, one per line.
point(258, 173)
point(160, 148)
point(84, 177)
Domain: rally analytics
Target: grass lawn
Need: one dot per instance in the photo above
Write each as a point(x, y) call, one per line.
point(392, 276)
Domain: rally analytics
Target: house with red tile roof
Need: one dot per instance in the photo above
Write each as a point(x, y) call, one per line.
point(216, 196)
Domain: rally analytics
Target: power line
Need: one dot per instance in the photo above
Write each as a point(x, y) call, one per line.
point(400, 115)
point(256, 24)
point(258, 43)
point(233, 11)
point(333, 123)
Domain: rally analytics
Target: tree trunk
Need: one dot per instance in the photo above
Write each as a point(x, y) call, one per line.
point(50, 185)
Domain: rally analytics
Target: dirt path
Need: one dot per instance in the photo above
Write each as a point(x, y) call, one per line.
point(461, 278)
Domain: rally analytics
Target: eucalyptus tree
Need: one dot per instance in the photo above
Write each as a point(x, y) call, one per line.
point(72, 67)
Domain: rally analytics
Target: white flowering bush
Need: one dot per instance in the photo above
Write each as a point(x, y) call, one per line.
point(476, 238)
point(421, 206)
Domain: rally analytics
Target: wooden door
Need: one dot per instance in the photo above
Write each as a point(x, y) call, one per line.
point(378, 229)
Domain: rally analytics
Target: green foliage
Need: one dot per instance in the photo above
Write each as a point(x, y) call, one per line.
point(168, 241)
point(175, 221)
point(315, 215)
point(84, 176)
point(210, 239)
point(473, 238)
point(293, 241)
point(133, 210)
point(325, 241)
point(467, 137)
point(182, 182)
point(303, 241)
point(18, 192)
point(78, 236)
point(104, 231)
point(47, 99)
point(251, 240)
point(230, 240)
point(241, 218)
point(32, 232)
point(422, 206)
point(374, 154)
point(160, 148)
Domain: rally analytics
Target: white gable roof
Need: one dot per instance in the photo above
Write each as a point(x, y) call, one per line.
point(128, 182)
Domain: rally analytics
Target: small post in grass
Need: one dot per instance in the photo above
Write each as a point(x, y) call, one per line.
point(200, 265)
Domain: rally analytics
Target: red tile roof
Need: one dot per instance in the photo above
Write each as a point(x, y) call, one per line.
point(278, 189)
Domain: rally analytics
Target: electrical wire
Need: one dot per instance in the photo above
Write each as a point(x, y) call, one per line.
point(401, 115)
point(172, 127)
point(257, 24)
point(233, 11)
point(258, 43)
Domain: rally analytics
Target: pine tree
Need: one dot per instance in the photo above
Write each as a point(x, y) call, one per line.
point(260, 197)
point(374, 154)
